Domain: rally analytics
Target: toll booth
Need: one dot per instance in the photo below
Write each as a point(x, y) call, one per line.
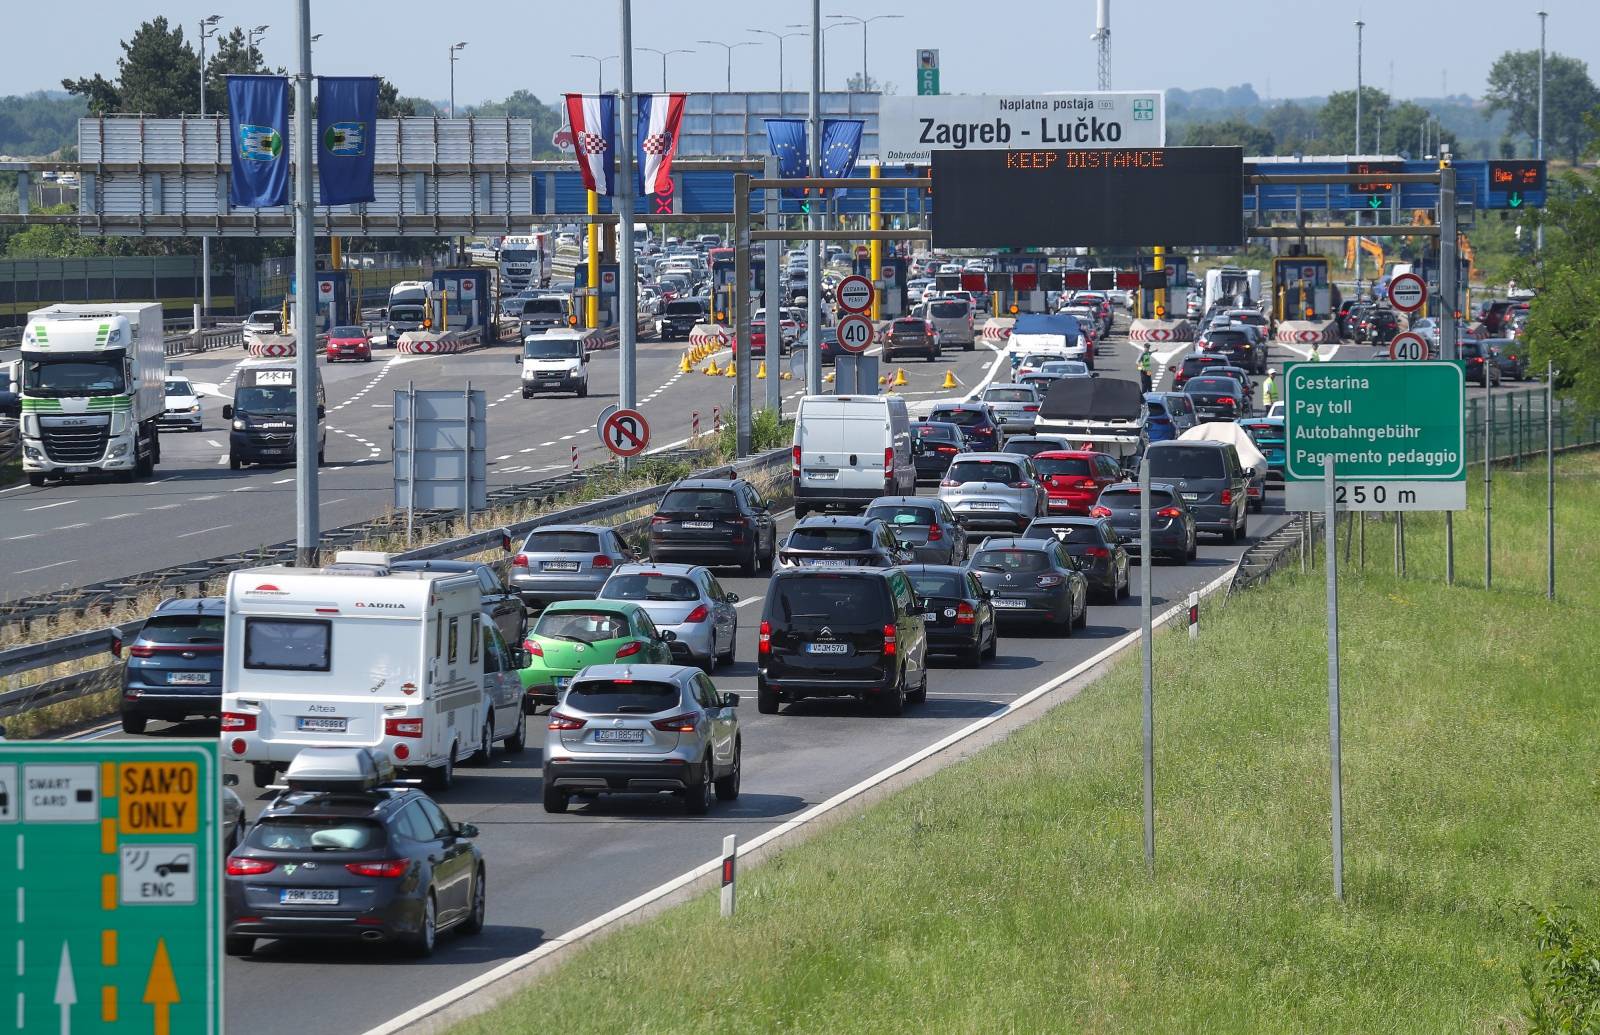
point(332, 300)
point(609, 277)
point(1301, 289)
point(468, 303)
point(889, 280)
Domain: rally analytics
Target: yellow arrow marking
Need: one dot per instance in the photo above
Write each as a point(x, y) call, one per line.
point(161, 989)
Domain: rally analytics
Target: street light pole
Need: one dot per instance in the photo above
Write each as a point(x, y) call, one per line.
point(307, 533)
point(1359, 26)
point(780, 37)
point(453, 49)
point(663, 54)
point(627, 282)
point(599, 69)
point(208, 28)
point(254, 36)
point(863, 22)
point(813, 266)
point(730, 48)
point(1538, 231)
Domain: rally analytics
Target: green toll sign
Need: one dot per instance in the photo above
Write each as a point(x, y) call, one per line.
point(111, 864)
point(1395, 432)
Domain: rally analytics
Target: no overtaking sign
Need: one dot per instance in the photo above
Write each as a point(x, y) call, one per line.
point(1396, 433)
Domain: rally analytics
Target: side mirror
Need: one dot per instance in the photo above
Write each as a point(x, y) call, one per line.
point(227, 412)
point(667, 636)
point(522, 657)
point(731, 598)
point(230, 779)
point(466, 830)
point(730, 700)
point(322, 411)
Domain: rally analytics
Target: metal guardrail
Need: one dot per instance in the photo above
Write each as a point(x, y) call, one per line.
point(205, 340)
point(31, 656)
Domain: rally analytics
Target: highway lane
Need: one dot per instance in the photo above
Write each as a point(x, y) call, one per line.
point(75, 533)
point(548, 874)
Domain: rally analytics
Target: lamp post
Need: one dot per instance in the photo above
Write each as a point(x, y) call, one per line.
point(208, 28)
point(254, 36)
point(730, 48)
point(863, 22)
point(780, 37)
point(454, 47)
point(599, 69)
point(1538, 231)
point(664, 54)
point(1359, 26)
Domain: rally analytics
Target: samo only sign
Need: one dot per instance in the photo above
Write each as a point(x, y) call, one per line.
point(910, 128)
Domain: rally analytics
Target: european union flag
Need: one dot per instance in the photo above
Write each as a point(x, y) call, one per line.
point(787, 139)
point(841, 140)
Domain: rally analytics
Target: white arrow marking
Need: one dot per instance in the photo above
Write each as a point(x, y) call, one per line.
point(66, 990)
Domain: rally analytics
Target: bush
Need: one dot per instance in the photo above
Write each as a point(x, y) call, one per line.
point(1564, 982)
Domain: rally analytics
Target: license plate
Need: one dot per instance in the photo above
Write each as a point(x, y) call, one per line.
point(619, 736)
point(188, 678)
point(308, 896)
point(997, 602)
point(321, 724)
point(1190, 496)
point(562, 682)
point(929, 616)
point(271, 452)
point(697, 524)
point(827, 648)
point(558, 566)
point(985, 506)
point(822, 476)
point(826, 562)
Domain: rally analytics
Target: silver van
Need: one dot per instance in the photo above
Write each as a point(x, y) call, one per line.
point(953, 320)
point(851, 449)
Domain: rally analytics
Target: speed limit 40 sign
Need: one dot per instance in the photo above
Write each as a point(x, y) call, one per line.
point(855, 333)
point(1408, 346)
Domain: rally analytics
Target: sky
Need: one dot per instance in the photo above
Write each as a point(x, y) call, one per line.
point(1286, 48)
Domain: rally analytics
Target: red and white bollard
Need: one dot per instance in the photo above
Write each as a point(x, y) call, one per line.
point(1194, 616)
point(694, 424)
point(716, 418)
point(574, 459)
point(730, 854)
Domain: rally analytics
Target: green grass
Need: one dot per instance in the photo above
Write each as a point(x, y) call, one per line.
point(1008, 893)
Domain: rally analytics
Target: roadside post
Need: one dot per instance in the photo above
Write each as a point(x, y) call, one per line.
point(730, 864)
point(1488, 478)
point(1194, 615)
point(1147, 650)
point(1329, 512)
point(1550, 478)
point(771, 293)
point(741, 319)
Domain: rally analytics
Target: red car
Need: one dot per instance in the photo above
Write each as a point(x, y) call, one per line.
point(349, 343)
point(1073, 478)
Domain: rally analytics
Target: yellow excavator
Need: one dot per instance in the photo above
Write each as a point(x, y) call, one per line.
point(1368, 245)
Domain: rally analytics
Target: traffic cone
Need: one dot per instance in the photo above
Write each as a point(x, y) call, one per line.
point(761, 372)
point(900, 377)
point(949, 379)
point(711, 369)
point(729, 371)
point(882, 380)
point(684, 366)
point(785, 376)
point(827, 378)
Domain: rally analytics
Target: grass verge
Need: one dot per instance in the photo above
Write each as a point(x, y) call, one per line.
point(1008, 892)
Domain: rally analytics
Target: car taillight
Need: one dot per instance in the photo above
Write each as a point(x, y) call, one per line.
point(386, 868)
point(964, 614)
point(1049, 581)
point(520, 561)
point(946, 450)
point(1172, 512)
point(948, 482)
point(699, 614)
point(764, 642)
point(245, 867)
point(1226, 400)
point(1030, 409)
point(935, 532)
point(630, 650)
point(139, 650)
point(238, 722)
point(659, 519)
point(402, 727)
point(1022, 485)
point(888, 641)
point(1227, 496)
point(1097, 551)
point(684, 723)
point(600, 561)
point(888, 463)
point(795, 463)
point(565, 722)
point(532, 647)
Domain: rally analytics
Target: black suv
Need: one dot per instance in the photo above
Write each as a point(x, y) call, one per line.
point(843, 542)
point(854, 632)
point(1472, 360)
point(678, 318)
point(714, 521)
point(174, 666)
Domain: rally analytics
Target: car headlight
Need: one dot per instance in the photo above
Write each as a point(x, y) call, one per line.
point(195, 408)
point(118, 450)
point(239, 425)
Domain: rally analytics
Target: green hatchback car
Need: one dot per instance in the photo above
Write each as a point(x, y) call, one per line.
point(573, 634)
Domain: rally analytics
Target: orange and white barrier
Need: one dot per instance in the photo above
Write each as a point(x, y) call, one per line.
point(1307, 332)
point(713, 334)
point(997, 328)
point(273, 346)
point(1158, 332)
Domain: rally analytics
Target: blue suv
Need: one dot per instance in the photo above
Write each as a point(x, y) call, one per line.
point(174, 666)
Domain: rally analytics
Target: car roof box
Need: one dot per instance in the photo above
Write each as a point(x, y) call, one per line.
point(339, 769)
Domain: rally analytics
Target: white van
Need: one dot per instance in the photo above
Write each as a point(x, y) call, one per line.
point(556, 361)
point(851, 449)
point(358, 655)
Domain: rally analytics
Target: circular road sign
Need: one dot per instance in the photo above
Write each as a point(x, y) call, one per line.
point(1408, 346)
point(855, 333)
point(854, 294)
point(625, 432)
point(1407, 292)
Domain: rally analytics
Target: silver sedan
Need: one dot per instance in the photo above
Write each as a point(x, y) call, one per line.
point(686, 599)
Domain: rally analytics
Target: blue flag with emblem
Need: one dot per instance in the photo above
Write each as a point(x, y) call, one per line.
point(841, 140)
point(258, 125)
point(787, 139)
point(347, 120)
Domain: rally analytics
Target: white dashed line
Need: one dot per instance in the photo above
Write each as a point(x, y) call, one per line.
point(48, 506)
point(202, 531)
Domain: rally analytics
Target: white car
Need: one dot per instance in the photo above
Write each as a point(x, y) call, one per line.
point(183, 405)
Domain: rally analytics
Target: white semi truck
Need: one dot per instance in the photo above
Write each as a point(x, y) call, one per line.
point(524, 262)
point(92, 391)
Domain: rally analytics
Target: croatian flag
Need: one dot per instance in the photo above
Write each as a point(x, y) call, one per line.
point(660, 114)
point(593, 118)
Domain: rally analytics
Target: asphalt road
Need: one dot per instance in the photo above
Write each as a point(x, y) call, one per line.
point(548, 874)
point(75, 533)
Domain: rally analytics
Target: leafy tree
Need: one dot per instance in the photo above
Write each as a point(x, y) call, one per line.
point(157, 75)
point(524, 105)
point(393, 106)
point(1293, 128)
point(234, 56)
point(38, 123)
point(1404, 128)
point(1569, 94)
point(1254, 139)
point(1336, 122)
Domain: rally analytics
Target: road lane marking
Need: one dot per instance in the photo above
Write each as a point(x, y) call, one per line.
point(47, 506)
point(202, 531)
point(30, 535)
point(286, 481)
point(213, 443)
point(118, 517)
point(42, 567)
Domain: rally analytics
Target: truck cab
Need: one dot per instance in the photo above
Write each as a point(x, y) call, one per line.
point(410, 309)
point(263, 414)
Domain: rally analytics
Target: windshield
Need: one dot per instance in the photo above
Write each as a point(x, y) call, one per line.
point(315, 834)
point(902, 514)
point(683, 309)
point(179, 388)
point(631, 696)
point(1010, 395)
point(408, 313)
point(983, 471)
point(347, 331)
point(962, 418)
point(718, 501)
point(1011, 561)
point(1061, 465)
point(1064, 532)
point(642, 586)
point(517, 255)
point(275, 399)
point(589, 626)
point(74, 374)
point(183, 629)
point(1065, 368)
point(552, 348)
point(940, 584)
point(847, 599)
point(948, 310)
point(1212, 385)
point(555, 541)
point(1128, 499)
point(272, 316)
point(547, 306)
point(830, 539)
point(1185, 462)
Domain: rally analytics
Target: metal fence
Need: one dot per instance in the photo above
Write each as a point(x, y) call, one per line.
point(1518, 425)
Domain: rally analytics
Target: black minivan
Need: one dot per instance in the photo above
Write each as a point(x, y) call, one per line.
point(842, 633)
point(1211, 481)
